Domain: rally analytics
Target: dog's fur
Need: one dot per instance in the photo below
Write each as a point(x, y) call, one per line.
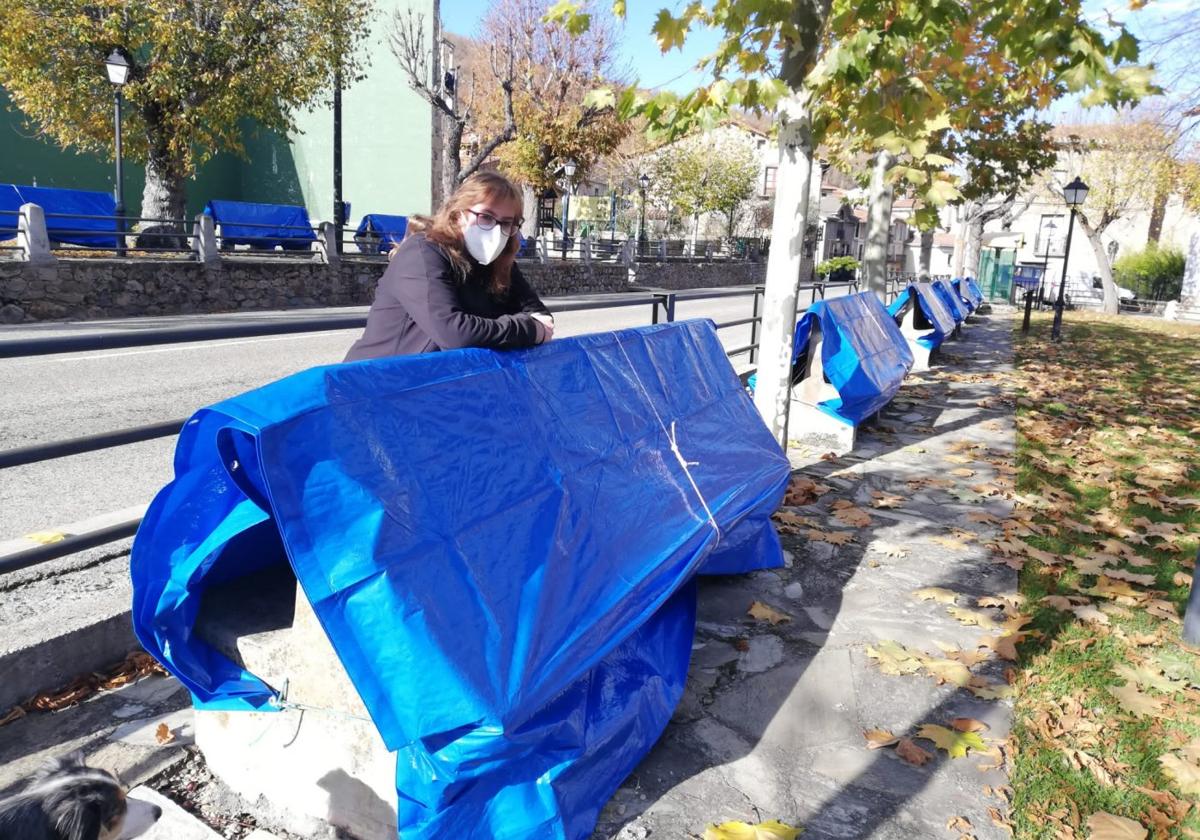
point(68, 800)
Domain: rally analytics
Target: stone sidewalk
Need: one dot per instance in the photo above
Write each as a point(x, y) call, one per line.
point(771, 725)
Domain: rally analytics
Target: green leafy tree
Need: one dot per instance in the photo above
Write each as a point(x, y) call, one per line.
point(200, 70)
point(1155, 272)
point(707, 173)
point(871, 76)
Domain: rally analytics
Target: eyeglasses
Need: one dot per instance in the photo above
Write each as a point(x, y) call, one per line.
point(487, 221)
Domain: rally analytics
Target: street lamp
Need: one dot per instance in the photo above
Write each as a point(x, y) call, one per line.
point(643, 183)
point(117, 66)
point(1075, 194)
point(568, 173)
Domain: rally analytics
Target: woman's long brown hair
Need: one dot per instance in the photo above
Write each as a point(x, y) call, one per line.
point(444, 229)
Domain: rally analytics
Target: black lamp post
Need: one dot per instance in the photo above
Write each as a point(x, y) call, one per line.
point(118, 69)
point(568, 173)
point(643, 183)
point(1075, 194)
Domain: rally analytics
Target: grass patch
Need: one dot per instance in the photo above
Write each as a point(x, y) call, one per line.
point(1108, 477)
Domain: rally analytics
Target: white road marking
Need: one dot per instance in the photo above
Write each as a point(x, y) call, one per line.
point(203, 345)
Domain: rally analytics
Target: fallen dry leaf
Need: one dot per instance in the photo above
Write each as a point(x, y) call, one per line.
point(879, 499)
point(974, 617)
point(1106, 826)
point(1088, 613)
point(879, 738)
point(912, 753)
point(1185, 774)
point(1130, 577)
point(770, 830)
point(964, 724)
point(763, 612)
point(894, 658)
point(937, 593)
point(956, 744)
point(1134, 701)
point(833, 537)
point(853, 517)
point(163, 734)
point(959, 824)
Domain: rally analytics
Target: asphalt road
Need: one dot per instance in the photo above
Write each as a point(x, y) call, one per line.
point(50, 398)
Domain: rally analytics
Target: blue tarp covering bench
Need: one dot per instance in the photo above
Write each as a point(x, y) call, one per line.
point(951, 300)
point(389, 230)
point(55, 202)
point(966, 295)
point(971, 289)
point(924, 321)
point(262, 226)
point(500, 547)
point(862, 354)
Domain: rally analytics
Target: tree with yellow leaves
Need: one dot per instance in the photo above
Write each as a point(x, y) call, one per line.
point(200, 70)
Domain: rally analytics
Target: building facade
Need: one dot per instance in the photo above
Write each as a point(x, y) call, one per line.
point(387, 148)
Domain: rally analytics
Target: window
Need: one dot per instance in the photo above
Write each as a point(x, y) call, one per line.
point(769, 180)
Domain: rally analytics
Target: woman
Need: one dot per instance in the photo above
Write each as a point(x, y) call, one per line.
point(454, 281)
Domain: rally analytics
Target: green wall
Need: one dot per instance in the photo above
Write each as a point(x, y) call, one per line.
point(386, 149)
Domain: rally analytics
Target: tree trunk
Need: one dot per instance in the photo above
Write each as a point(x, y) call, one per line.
point(926, 259)
point(163, 197)
point(879, 222)
point(529, 197)
point(1158, 212)
point(1112, 303)
point(451, 160)
point(773, 389)
point(974, 245)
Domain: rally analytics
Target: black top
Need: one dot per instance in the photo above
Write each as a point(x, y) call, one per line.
point(423, 305)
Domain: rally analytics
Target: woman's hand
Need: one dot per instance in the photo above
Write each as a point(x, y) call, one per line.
point(545, 324)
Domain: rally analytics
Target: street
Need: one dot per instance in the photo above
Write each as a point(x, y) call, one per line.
point(55, 397)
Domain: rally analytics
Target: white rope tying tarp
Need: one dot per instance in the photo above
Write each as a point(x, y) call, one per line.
point(684, 463)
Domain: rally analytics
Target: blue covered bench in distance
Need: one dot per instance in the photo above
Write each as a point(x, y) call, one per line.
point(850, 359)
point(98, 231)
point(924, 321)
point(952, 302)
point(263, 227)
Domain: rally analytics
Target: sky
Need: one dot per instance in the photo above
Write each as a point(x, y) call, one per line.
point(675, 71)
point(648, 66)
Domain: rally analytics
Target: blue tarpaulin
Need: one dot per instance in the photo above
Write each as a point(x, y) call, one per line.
point(951, 300)
point(389, 229)
point(936, 319)
point(966, 294)
point(55, 202)
point(864, 354)
point(262, 225)
point(974, 291)
point(500, 547)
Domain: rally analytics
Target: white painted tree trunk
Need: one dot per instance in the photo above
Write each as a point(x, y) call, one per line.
point(772, 392)
point(926, 258)
point(974, 246)
point(879, 222)
point(1112, 303)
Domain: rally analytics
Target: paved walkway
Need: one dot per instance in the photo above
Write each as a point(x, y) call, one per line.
point(772, 723)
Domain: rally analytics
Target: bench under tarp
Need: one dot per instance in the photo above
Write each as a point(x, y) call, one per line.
point(388, 230)
point(262, 226)
point(951, 300)
point(850, 356)
point(966, 294)
point(499, 546)
point(99, 230)
point(924, 321)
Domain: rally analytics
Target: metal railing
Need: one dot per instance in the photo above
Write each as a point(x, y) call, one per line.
point(663, 308)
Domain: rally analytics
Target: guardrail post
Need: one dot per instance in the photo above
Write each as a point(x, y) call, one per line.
point(662, 250)
point(667, 299)
point(585, 249)
point(204, 240)
point(327, 243)
point(758, 290)
point(32, 237)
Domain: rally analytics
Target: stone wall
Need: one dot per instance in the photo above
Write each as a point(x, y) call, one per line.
point(110, 288)
point(99, 288)
point(684, 275)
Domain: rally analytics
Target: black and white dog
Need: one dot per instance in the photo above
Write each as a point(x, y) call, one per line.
point(71, 801)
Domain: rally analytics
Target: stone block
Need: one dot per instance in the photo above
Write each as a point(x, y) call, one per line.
point(325, 765)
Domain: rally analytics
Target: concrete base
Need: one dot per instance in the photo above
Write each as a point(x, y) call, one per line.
point(811, 426)
point(921, 355)
point(60, 626)
point(307, 769)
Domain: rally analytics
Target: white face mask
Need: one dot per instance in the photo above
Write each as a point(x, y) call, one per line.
point(484, 245)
